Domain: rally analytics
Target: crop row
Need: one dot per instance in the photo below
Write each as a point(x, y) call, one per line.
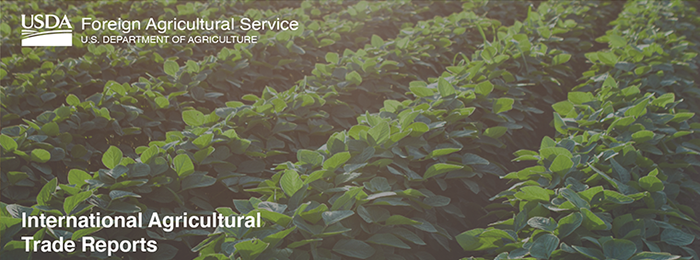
point(214, 141)
point(253, 66)
point(391, 149)
point(368, 153)
point(128, 110)
point(47, 141)
point(132, 113)
point(613, 183)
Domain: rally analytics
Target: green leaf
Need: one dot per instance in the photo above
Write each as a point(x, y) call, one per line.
point(295, 48)
point(619, 248)
point(654, 256)
point(344, 201)
point(520, 220)
point(443, 151)
point(118, 194)
point(401, 220)
point(616, 41)
point(547, 148)
point(250, 249)
point(402, 43)
point(46, 192)
point(651, 183)
point(488, 53)
point(418, 128)
point(71, 202)
point(332, 57)
point(315, 176)
point(682, 116)
point(377, 184)
point(543, 246)
point(642, 136)
point(568, 224)
point(353, 248)
point(560, 59)
point(231, 134)
point(116, 87)
point(191, 66)
point(40, 155)
point(421, 91)
point(275, 217)
point(563, 107)
point(469, 240)
point(543, 223)
point(336, 160)
point(608, 58)
point(162, 102)
point(664, 100)
point(140, 169)
point(493, 238)
point(50, 129)
point(559, 124)
point(590, 252)
point(194, 181)
point(503, 105)
point(580, 97)
point(574, 198)
point(78, 177)
point(373, 214)
point(203, 140)
point(117, 171)
point(638, 110)
point(377, 41)
point(611, 83)
point(676, 237)
point(561, 164)
point(8, 143)
point(445, 88)
point(112, 157)
point(332, 217)
point(72, 100)
point(407, 235)
point(277, 237)
point(437, 201)
point(193, 117)
point(533, 193)
point(387, 240)
point(617, 198)
point(380, 132)
point(182, 164)
point(592, 221)
point(496, 131)
point(291, 182)
point(440, 168)
point(13, 176)
point(48, 96)
point(354, 77)
point(484, 88)
point(171, 68)
point(148, 154)
point(470, 158)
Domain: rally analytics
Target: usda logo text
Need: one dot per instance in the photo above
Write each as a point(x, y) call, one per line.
point(46, 30)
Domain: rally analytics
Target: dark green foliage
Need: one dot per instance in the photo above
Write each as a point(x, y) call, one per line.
point(610, 184)
point(378, 131)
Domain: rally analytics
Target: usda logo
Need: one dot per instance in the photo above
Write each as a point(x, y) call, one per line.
point(46, 30)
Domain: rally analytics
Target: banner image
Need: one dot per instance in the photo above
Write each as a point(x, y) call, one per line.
point(350, 129)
